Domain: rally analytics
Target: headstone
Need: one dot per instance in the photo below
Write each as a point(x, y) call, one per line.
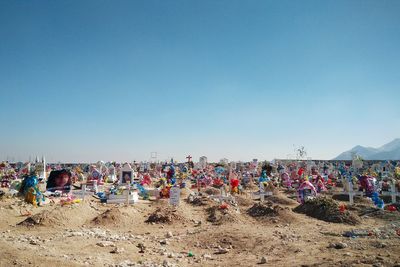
point(174, 196)
point(126, 174)
point(203, 162)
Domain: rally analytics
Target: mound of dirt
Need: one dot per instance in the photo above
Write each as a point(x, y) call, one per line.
point(198, 200)
point(242, 201)
point(282, 200)
point(43, 218)
point(328, 210)
point(212, 191)
point(357, 199)
point(61, 216)
point(251, 187)
point(165, 215)
point(219, 216)
point(264, 210)
point(269, 212)
point(374, 212)
point(111, 216)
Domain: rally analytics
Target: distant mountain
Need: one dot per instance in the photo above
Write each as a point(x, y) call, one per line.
point(389, 151)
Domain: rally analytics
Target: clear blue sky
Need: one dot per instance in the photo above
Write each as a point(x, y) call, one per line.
point(115, 80)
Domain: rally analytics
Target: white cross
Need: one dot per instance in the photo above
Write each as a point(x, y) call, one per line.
point(393, 193)
point(352, 193)
point(262, 193)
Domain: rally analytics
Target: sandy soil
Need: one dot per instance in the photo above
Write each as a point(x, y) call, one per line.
point(193, 234)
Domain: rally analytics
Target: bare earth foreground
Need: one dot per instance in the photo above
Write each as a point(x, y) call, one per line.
point(198, 233)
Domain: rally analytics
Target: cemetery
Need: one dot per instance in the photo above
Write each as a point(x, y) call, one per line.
point(277, 213)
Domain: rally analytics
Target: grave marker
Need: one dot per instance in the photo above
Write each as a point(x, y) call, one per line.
point(174, 196)
point(393, 193)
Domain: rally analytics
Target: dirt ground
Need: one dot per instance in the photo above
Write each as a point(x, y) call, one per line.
point(155, 234)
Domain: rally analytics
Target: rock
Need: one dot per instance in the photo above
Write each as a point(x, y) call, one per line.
point(117, 250)
point(76, 234)
point(163, 242)
point(207, 256)
point(171, 255)
point(339, 245)
point(34, 242)
point(380, 245)
point(169, 235)
point(105, 244)
point(263, 260)
point(222, 251)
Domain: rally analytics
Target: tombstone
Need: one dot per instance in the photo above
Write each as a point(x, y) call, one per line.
point(174, 196)
point(203, 162)
point(40, 169)
point(305, 191)
point(126, 174)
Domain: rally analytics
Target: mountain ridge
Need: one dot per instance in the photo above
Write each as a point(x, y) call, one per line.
point(388, 151)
